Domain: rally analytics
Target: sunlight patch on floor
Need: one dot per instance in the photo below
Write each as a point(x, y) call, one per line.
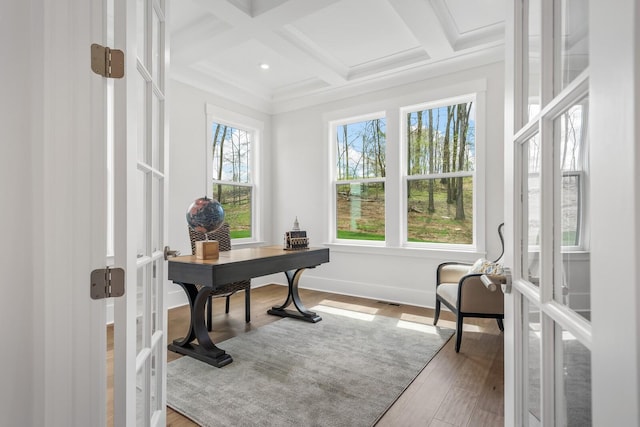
point(342, 312)
point(348, 306)
point(419, 327)
point(425, 320)
point(470, 328)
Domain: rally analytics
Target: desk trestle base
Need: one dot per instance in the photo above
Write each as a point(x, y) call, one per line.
point(307, 317)
point(197, 352)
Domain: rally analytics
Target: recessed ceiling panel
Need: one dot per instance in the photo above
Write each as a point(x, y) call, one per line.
point(356, 32)
point(476, 14)
point(324, 49)
point(188, 13)
point(242, 63)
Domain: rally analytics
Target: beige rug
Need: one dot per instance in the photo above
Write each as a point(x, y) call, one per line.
point(346, 370)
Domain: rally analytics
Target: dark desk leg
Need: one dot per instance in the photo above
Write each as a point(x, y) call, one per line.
point(293, 296)
point(205, 351)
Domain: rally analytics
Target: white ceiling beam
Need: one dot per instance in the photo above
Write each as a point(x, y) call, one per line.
point(422, 20)
point(245, 26)
point(308, 55)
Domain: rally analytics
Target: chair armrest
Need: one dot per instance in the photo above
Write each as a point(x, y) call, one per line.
point(451, 272)
point(492, 281)
point(475, 297)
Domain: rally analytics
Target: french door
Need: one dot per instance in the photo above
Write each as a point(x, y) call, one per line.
point(140, 201)
point(572, 179)
point(548, 182)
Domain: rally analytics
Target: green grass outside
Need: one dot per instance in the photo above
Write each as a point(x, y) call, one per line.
point(423, 226)
point(354, 235)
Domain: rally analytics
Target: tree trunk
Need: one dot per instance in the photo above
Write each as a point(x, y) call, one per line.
point(380, 150)
point(220, 161)
point(346, 152)
point(213, 152)
point(431, 205)
point(364, 157)
point(463, 118)
point(446, 154)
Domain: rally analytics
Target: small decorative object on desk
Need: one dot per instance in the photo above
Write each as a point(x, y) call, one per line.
point(296, 238)
point(205, 215)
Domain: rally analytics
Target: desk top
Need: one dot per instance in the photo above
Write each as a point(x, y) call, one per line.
point(243, 264)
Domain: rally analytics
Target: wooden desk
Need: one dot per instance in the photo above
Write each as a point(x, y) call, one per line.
point(232, 266)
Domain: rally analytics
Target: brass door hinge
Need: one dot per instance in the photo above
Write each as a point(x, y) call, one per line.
point(107, 282)
point(107, 62)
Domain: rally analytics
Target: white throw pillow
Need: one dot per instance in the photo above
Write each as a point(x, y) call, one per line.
point(482, 266)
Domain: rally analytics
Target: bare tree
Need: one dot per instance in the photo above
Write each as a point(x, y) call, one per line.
point(346, 151)
point(446, 154)
point(431, 205)
point(380, 150)
point(221, 159)
point(463, 119)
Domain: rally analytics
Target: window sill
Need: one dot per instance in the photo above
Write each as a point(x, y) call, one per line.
point(415, 252)
point(246, 244)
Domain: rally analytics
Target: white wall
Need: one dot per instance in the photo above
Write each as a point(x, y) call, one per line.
point(187, 163)
point(19, 221)
point(302, 190)
point(295, 183)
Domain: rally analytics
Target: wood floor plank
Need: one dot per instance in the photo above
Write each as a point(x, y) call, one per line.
point(439, 423)
point(457, 406)
point(492, 394)
point(485, 419)
point(453, 389)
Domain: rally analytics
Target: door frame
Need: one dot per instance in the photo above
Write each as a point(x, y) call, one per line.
point(615, 260)
point(69, 183)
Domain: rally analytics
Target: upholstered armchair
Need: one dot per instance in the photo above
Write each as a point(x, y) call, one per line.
point(471, 290)
point(223, 236)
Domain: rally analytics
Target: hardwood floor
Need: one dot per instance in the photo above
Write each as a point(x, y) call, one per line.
point(464, 389)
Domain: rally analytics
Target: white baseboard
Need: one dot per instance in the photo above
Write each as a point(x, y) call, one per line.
point(397, 295)
point(417, 297)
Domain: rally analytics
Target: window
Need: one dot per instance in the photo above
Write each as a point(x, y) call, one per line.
point(440, 173)
point(571, 136)
point(231, 168)
point(410, 175)
point(360, 147)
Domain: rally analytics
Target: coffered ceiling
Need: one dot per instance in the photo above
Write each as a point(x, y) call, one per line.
point(319, 50)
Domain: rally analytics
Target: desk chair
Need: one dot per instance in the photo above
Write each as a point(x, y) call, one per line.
point(223, 236)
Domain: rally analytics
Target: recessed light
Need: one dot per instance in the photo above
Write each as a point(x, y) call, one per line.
point(264, 66)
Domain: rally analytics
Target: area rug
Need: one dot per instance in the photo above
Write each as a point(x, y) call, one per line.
point(346, 370)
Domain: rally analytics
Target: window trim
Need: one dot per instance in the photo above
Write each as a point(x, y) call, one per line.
point(215, 114)
point(333, 129)
point(478, 174)
point(390, 107)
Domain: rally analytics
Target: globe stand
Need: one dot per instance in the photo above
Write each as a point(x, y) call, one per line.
point(207, 249)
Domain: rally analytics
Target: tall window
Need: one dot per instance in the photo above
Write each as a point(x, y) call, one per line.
point(231, 159)
point(360, 148)
point(440, 173)
point(571, 134)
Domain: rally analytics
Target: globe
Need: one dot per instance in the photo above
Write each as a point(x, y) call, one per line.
point(205, 215)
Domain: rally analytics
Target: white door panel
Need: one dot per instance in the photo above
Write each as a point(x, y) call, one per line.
point(548, 333)
point(140, 210)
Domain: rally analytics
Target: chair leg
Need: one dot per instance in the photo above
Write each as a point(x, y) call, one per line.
point(247, 305)
point(209, 311)
point(458, 333)
point(226, 304)
point(500, 324)
point(437, 315)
